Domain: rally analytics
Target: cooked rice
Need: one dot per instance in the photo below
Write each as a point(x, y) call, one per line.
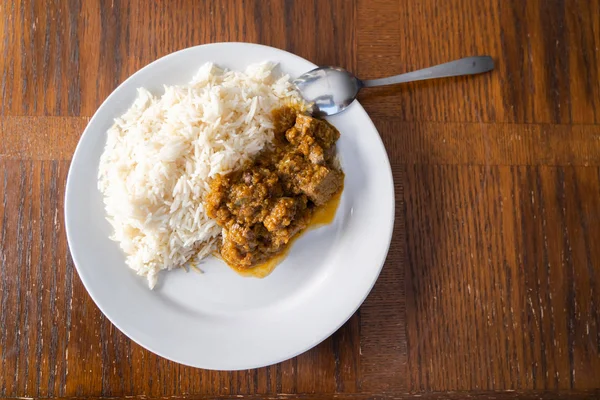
point(161, 155)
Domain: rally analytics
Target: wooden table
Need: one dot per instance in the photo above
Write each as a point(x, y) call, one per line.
point(492, 284)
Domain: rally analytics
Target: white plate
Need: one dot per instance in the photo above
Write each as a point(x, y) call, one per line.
point(220, 320)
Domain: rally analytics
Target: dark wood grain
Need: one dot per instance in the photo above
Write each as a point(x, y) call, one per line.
point(441, 143)
point(546, 53)
point(450, 395)
point(492, 283)
point(63, 58)
point(523, 314)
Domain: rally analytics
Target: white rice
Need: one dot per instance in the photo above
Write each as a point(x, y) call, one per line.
point(161, 154)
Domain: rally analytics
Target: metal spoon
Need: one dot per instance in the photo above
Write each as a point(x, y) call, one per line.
point(333, 89)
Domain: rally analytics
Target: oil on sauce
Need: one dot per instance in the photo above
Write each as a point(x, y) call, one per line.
point(323, 216)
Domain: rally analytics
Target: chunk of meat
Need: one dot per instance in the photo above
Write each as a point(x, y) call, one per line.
point(283, 118)
point(243, 196)
point(242, 244)
point(289, 168)
point(234, 254)
point(325, 133)
point(306, 145)
point(318, 182)
point(314, 138)
point(283, 213)
point(321, 183)
point(287, 217)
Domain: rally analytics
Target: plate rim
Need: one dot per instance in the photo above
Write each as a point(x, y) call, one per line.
point(87, 285)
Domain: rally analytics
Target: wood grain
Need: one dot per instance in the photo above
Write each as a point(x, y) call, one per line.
point(63, 58)
point(442, 143)
point(503, 285)
point(484, 395)
point(546, 53)
point(40, 138)
point(492, 283)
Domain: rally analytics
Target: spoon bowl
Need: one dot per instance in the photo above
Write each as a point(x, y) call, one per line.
point(330, 89)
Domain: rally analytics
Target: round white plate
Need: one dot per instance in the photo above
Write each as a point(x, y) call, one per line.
point(220, 320)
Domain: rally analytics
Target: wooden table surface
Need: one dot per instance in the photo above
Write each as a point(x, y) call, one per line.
point(492, 284)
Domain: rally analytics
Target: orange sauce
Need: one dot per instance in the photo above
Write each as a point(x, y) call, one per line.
point(264, 269)
point(324, 215)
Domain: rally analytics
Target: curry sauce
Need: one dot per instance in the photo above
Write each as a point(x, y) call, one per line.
point(321, 216)
point(290, 185)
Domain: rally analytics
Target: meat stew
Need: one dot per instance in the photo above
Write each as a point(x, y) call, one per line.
point(268, 202)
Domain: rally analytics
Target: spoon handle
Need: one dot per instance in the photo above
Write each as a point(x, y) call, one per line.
point(464, 66)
